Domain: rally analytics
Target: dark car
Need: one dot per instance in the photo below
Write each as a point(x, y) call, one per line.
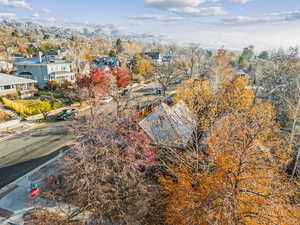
point(66, 114)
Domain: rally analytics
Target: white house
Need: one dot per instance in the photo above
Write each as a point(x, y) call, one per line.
point(10, 84)
point(43, 69)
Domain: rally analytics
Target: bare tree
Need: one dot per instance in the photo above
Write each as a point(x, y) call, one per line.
point(278, 78)
point(280, 82)
point(103, 174)
point(77, 53)
point(166, 74)
point(10, 44)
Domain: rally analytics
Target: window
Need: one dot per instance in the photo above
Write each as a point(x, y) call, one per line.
point(7, 87)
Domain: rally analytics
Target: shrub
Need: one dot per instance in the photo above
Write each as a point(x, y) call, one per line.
point(4, 117)
point(13, 95)
point(65, 84)
point(27, 107)
point(52, 85)
point(57, 105)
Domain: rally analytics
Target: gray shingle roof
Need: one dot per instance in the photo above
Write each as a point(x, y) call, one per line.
point(6, 79)
point(169, 126)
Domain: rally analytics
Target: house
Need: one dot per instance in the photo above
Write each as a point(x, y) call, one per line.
point(10, 84)
point(166, 59)
point(106, 62)
point(44, 69)
point(169, 126)
point(53, 52)
point(155, 56)
point(5, 66)
point(15, 56)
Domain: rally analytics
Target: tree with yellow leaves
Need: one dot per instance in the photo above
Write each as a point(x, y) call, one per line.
point(243, 182)
point(208, 105)
point(240, 177)
point(141, 66)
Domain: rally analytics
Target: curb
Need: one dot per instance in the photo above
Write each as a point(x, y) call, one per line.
point(7, 187)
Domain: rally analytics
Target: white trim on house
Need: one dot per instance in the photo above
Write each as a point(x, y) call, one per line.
point(11, 84)
point(6, 79)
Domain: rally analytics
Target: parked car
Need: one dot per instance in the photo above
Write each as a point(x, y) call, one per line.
point(66, 114)
point(105, 100)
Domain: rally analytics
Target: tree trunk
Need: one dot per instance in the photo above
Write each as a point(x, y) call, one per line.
point(296, 162)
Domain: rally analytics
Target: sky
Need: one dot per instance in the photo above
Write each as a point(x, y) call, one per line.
point(234, 24)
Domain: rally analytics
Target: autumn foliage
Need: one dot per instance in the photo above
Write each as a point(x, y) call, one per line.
point(96, 81)
point(239, 179)
point(104, 174)
point(122, 77)
point(100, 82)
point(243, 181)
point(210, 99)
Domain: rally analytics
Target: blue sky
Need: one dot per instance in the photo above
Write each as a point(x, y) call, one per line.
point(234, 24)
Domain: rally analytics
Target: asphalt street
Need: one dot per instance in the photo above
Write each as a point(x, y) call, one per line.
point(26, 151)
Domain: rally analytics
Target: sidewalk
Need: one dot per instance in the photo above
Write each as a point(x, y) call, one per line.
point(14, 201)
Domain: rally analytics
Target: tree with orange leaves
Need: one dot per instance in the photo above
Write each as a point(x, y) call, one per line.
point(198, 95)
point(221, 93)
point(96, 83)
point(122, 77)
point(243, 182)
point(240, 178)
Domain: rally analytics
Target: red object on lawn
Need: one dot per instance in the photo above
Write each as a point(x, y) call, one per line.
point(33, 193)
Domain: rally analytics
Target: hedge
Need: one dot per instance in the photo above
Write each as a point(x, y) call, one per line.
point(27, 107)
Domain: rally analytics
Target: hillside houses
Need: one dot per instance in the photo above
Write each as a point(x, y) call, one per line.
point(157, 58)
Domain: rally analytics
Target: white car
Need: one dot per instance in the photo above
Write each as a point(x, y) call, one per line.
point(105, 100)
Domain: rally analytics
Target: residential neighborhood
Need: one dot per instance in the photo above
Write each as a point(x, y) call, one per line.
point(149, 112)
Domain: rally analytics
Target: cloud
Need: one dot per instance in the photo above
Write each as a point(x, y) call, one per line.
point(7, 15)
point(35, 15)
point(267, 18)
point(51, 20)
point(45, 10)
point(169, 4)
point(186, 7)
point(241, 1)
point(155, 17)
point(16, 4)
point(190, 11)
point(145, 17)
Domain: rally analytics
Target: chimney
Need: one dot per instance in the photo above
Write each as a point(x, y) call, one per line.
point(40, 57)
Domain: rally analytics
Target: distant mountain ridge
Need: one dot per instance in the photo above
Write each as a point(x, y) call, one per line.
point(108, 31)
